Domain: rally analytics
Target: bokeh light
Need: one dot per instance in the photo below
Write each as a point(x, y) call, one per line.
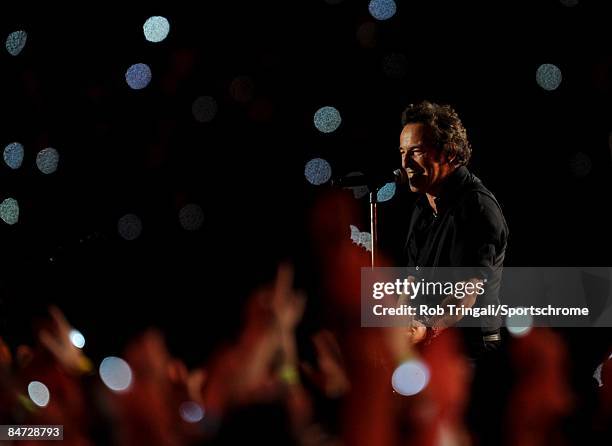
point(156, 29)
point(317, 171)
point(13, 155)
point(191, 412)
point(47, 160)
point(382, 9)
point(548, 76)
point(358, 191)
point(410, 377)
point(138, 76)
point(386, 192)
point(362, 239)
point(39, 393)
point(76, 338)
point(327, 119)
point(519, 325)
point(129, 227)
point(204, 109)
point(191, 217)
point(115, 373)
point(9, 211)
point(598, 370)
point(16, 41)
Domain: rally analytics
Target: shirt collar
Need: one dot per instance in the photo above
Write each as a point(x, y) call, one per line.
point(449, 189)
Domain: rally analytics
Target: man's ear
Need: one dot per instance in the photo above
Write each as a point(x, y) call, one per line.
point(450, 159)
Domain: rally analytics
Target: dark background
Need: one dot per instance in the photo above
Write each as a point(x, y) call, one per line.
point(141, 151)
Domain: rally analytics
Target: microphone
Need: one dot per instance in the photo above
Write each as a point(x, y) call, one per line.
point(398, 176)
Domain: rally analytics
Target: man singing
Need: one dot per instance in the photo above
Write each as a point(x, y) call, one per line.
point(456, 222)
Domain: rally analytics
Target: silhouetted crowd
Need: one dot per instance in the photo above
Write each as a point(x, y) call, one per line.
point(258, 388)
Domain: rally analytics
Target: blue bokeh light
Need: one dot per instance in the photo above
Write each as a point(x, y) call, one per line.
point(16, 41)
point(13, 155)
point(138, 76)
point(382, 9)
point(317, 171)
point(386, 192)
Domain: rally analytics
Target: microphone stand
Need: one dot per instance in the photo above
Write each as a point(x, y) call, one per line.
point(373, 186)
point(374, 222)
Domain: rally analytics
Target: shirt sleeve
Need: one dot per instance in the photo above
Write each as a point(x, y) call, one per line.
point(480, 237)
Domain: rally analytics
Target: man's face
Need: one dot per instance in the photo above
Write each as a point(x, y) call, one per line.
point(425, 165)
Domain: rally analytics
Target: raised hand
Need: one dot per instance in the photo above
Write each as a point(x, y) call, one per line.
point(57, 341)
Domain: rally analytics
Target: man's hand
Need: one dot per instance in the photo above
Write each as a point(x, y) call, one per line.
point(57, 341)
point(446, 320)
point(416, 332)
point(404, 299)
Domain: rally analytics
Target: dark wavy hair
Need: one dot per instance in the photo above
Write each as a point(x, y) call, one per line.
point(447, 131)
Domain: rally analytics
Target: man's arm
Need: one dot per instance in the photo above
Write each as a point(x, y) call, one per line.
point(447, 320)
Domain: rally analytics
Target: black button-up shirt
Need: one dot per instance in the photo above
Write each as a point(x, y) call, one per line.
point(469, 231)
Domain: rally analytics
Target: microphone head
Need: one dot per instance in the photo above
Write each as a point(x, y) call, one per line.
point(401, 177)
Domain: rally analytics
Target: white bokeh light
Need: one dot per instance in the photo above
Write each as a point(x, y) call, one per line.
point(327, 119)
point(39, 393)
point(191, 412)
point(76, 338)
point(156, 29)
point(9, 211)
point(519, 325)
point(410, 377)
point(548, 76)
point(47, 160)
point(361, 239)
point(115, 373)
point(598, 370)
